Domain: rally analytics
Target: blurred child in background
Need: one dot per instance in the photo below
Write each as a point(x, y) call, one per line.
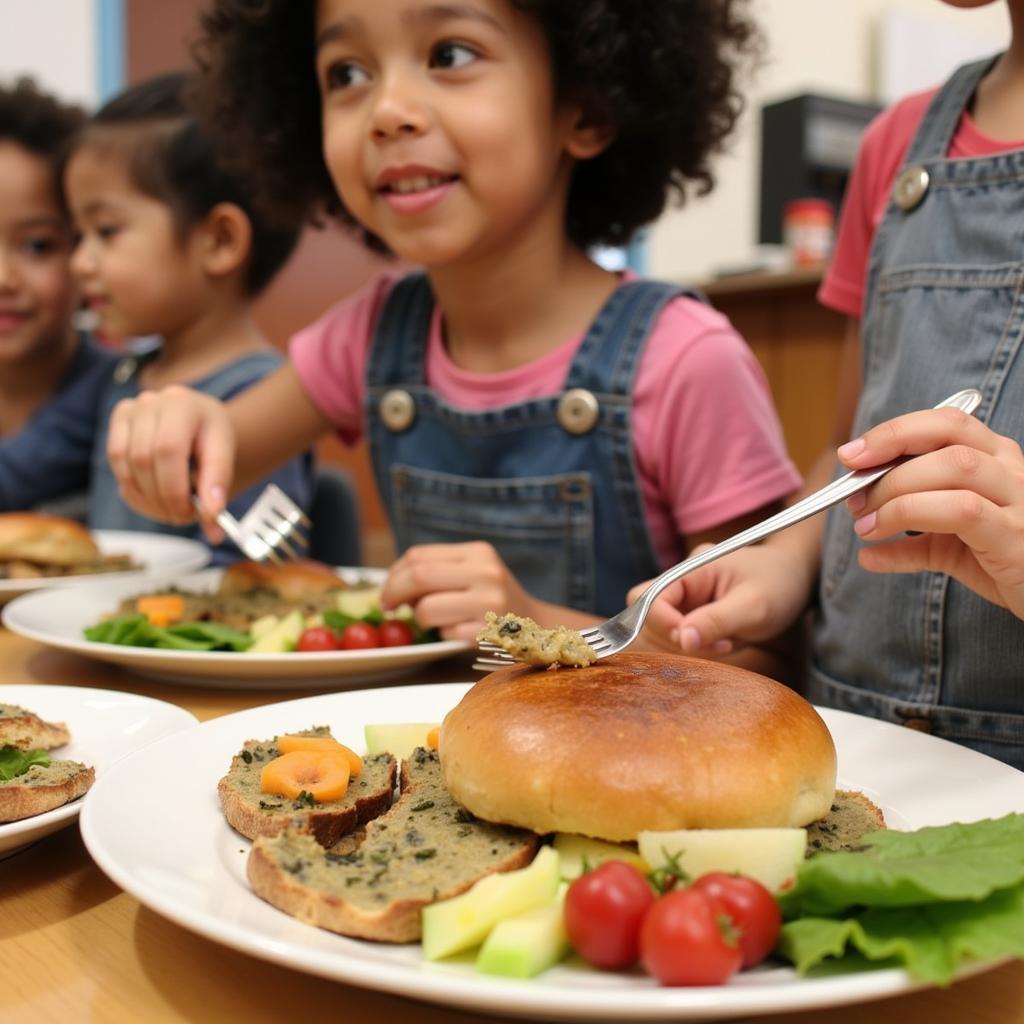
point(171, 246)
point(51, 376)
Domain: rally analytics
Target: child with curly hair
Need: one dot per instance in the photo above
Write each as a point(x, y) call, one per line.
point(544, 433)
point(51, 375)
point(172, 249)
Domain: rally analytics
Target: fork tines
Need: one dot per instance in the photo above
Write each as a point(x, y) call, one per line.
point(491, 656)
point(273, 524)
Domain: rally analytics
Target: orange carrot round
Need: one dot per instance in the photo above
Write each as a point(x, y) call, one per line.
point(322, 774)
point(286, 744)
point(434, 737)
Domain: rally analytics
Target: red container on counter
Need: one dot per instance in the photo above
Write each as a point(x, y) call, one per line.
point(808, 228)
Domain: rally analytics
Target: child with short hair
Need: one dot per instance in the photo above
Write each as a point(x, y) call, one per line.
point(544, 433)
point(51, 376)
point(172, 245)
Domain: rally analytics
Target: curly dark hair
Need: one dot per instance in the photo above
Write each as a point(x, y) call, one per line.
point(660, 73)
point(38, 122)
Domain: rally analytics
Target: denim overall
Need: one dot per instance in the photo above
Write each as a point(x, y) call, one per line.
point(551, 482)
point(944, 311)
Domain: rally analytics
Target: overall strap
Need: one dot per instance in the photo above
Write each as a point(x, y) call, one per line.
point(940, 121)
point(398, 350)
point(609, 353)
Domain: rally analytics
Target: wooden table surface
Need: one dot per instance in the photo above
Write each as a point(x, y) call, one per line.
point(74, 948)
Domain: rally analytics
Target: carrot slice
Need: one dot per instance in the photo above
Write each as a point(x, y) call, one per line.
point(321, 774)
point(434, 737)
point(286, 744)
point(161, 609)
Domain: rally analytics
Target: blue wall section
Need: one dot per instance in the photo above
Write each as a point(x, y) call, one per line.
point(110, 56)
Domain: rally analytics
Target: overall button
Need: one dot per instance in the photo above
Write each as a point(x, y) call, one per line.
point(397, 410)
point(578, 411)
point(910, 186)
point(918, 724)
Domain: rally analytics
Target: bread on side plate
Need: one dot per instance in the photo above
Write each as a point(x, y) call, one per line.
point(27, 731)
point(426, 848)
point(254, 813)
point(42, 788)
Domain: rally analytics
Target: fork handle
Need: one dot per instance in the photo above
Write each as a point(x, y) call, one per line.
point(819, 501)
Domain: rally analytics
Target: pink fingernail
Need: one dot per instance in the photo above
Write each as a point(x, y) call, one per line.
point(216, 498)
point(866, 523)
point(851, 448)
point(690, 639)
point(857, 502)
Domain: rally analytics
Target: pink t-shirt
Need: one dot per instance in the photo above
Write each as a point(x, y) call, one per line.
point(708, 442)
point(882, 153)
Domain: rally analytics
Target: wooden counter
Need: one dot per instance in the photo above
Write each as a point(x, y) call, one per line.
point(75, 948)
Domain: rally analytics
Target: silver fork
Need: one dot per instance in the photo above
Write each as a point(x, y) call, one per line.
point(618, 632)
point(273, 524)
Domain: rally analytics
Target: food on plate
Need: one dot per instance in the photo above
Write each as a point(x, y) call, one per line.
point(399, 739)
point(524, 945)
point(27, 731)
point(851, 816)
point(253, 811)
point(526, 641)
point(34, 545)
point(637, 742)
point(425, 848)
point(300, 606)
point(30, 781)
point(578, 854)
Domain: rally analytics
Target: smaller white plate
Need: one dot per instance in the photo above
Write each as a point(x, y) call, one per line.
point(158, 553)
point(58, 618)
point(105, 726)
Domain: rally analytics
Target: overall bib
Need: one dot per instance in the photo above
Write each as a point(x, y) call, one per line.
point(551, 482)
point(944, 311)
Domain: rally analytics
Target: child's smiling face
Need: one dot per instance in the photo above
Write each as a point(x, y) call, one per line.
point(136, 271)
point(36, 290)
point(441, 129)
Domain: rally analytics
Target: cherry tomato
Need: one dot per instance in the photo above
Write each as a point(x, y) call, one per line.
point(751, 908)
point(359, 636)
point(317, 638)
point(395, 633)
point(687, 939)
point(603, 912)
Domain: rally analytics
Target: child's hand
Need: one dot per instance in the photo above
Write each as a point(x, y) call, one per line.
point(965, 494)
point(152, 442)
point(749, 596)
point(451, 586)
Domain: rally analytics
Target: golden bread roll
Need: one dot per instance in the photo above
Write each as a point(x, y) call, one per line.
point(293, 580)
point(44, 539)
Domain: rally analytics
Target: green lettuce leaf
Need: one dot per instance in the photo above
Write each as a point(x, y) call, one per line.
point(138, 631)
point(15, 762)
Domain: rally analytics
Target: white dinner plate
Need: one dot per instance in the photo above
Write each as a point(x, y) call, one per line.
point(158, 554)
point(58, 618)
point(181, 859)
point(105, 726)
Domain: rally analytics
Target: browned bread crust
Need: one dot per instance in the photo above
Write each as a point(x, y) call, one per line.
point(42, 788)
point(255, 813)
point(293, 580)
point(45, 539)
point(27, 731)
point(424, 849)
point(636, 742)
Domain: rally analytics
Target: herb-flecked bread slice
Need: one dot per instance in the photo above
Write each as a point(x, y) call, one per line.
point(851, 817)
point(426, 848)
point(42, 788)
point(254, 813)
point(27, 731)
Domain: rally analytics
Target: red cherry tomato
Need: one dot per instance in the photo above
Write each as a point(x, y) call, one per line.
point(359, 636)
point(395, 633)
point(751, 908)
point(686, 939)
point(317, 638)
point(603, 912)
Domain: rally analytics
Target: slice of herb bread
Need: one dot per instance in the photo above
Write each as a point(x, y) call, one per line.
point(850, 818)
point(27, 731)
point(425, 849)
point(42, 787)
point(254, 813)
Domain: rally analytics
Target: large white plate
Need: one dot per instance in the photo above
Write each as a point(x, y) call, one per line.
point(159, 555)
point(57, 618)
point(181, 859)
point(105, 726)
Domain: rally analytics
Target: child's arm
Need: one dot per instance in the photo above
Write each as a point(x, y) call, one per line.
point(964, 493)
point(756, 593)
point(156, 438)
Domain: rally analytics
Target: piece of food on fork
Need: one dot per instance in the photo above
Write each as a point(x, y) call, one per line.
point(509, 637)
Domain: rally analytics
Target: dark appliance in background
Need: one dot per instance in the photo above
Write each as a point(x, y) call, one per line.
point(808, 146)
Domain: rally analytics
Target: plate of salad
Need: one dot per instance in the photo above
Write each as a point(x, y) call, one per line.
point(166, 632)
